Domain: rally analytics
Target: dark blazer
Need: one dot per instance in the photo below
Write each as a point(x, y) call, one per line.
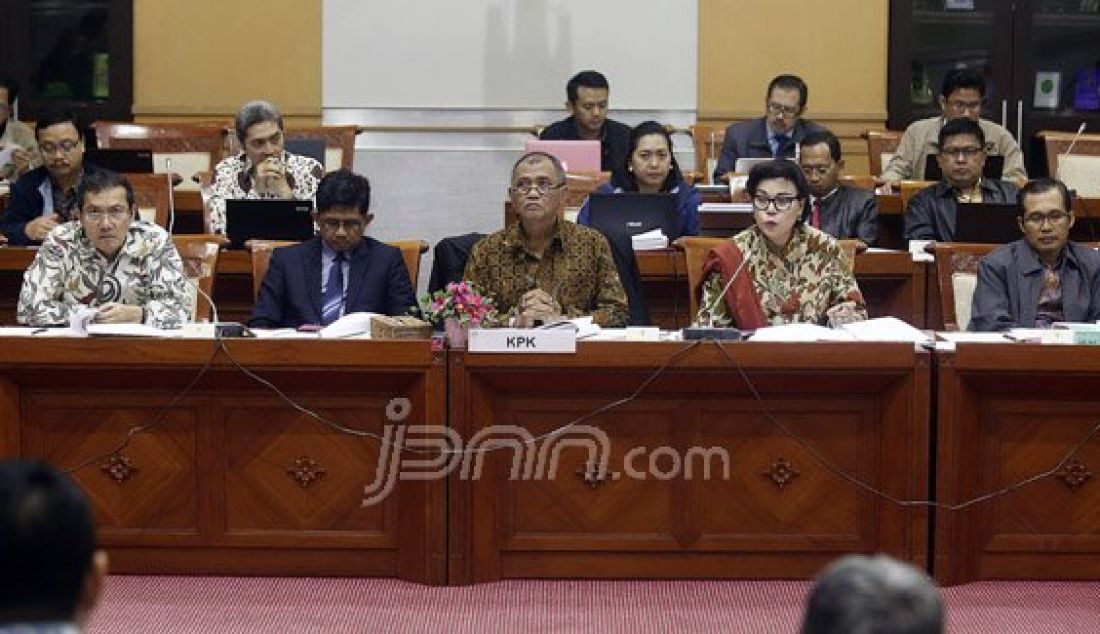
point(26, 204)
point(1010, 280)
point(614, 142)
point(850, 212)
point(749, 139)
point(932, 212)
point(291, 292)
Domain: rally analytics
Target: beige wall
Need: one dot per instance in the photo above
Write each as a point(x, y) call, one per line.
point(201, 59)
point(838, 46)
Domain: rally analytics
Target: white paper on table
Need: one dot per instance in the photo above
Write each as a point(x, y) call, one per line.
point(350, 325)
point(649, 241)
point(800, 332)
point(583, 327)
point(916, 249)
point(283, 333)
point(132, 330)
point(886, 329)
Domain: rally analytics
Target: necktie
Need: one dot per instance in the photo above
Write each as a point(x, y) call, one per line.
point(782, 145)
point(815, 219)
point(332, 300)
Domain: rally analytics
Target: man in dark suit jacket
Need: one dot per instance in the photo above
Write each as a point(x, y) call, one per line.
point(338, 272)
point(776, 134)
point(838, 210)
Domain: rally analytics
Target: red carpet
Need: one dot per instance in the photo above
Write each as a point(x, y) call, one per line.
point(235, 604)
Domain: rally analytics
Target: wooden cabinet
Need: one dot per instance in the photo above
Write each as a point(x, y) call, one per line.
point(1037, 57)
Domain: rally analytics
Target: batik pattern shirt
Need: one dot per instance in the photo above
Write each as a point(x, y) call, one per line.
point(808, 280)
point(233, 180)
point(69, 273)
point(576, 269)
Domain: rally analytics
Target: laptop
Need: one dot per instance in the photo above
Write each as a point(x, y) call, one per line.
point(633, 213)
point(994, 167)
point(313, 148)
point(575, 156)
point(123, 161)
point(988, 223)
point(267, 220)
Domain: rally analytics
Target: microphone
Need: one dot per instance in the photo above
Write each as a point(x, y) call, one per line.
point(222, 330)
point(1069, 150)
point(1073, 193)
point(171, 197)
point(708, 330)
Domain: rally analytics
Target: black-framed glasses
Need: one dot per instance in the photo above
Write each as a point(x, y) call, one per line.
point(334, 225)
point(961, 152)
point(780, 109)
point(781, 202)
point(66, 146)
point(542, 186)
point(1054, 217)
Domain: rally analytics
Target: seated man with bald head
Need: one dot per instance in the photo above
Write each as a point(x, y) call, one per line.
point(542, 267)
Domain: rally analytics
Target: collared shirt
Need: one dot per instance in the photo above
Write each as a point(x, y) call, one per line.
point(847, 212)
point(1050, 298)
point(922, 139)
point(60, 201)
point(70, 273)
point(803, 281)
point(233, 180)
point(576, 269)
point(328, 258)
point(932, 212)
point(614, 140)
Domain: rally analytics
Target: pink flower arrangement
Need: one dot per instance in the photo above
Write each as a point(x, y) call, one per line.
point(462, 301)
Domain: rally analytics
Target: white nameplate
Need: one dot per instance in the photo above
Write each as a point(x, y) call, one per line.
point(522, 340)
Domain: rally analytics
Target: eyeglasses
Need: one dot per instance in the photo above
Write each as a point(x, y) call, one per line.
point(115, 214)
point(49, 149)
point(1054, 218)
point(816, 170)
point(782, 203)
point(334, 225)
point(542, 186)
point(962, 107)
point(961, 152)
point(780, 109)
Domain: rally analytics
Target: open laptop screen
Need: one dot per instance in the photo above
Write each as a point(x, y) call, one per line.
point(988, 223)
point(632, 213)
point(575, 156)
point(267, 220)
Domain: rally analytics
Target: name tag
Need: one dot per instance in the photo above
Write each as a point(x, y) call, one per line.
point(554, 341)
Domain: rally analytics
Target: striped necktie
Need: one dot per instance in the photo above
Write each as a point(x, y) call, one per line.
point(332, 300)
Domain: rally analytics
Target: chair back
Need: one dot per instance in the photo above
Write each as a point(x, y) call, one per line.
point(261, 258)
point(909, 189)
point(695, 250)
point(1078, 169)
point(199, 253)
point(153, 197)
point(860, 181)
point(190, 147)
point(339, 143)
point(957, 276)
point(411, 252)
point(708, 146)
point(881, 147)
point(578, 185)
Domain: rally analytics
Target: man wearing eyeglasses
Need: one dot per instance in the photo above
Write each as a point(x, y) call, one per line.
point(543, 268)
point(837, 209)
point(47, 196)
point(960, 98)
point(338, 272)
point(126, 269)
point(932, 212)
point(1043, 278)
point(17, 142)
point(776, 134)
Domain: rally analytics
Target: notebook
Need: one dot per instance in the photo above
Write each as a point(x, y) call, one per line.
point(267, 220)
point(575, 156)
point(633, 213)
point(123, 161)
point(988, 223)
point(994, 167)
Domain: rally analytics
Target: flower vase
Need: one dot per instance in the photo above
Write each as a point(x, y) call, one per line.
point(456, 332)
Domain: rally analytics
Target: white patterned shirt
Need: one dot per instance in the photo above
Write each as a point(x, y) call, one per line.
point(70, 273)
point(233, 179)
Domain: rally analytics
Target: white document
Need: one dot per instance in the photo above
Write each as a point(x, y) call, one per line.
point(350, 325)
point(582, 326)
point(649, 241)
point(800, 332)
point(916, 249)
point(131, 330)
point(283, 333)
point(885, 329)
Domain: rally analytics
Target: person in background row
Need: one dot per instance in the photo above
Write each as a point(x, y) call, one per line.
point(263, 169)
point(52, 574)
point(873, 595)
point(586, 97)
point(542, 268)
point(15, 135)
point(776, 134)
point(839, 210)
point(961, 97)
point(651, 168)
point(125, 268)
point(932, 212)
point(1042, 278)
point(337, 272)
point(48, 195)
point(780, 270)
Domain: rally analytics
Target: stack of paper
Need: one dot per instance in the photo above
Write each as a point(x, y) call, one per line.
point(649, 241)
